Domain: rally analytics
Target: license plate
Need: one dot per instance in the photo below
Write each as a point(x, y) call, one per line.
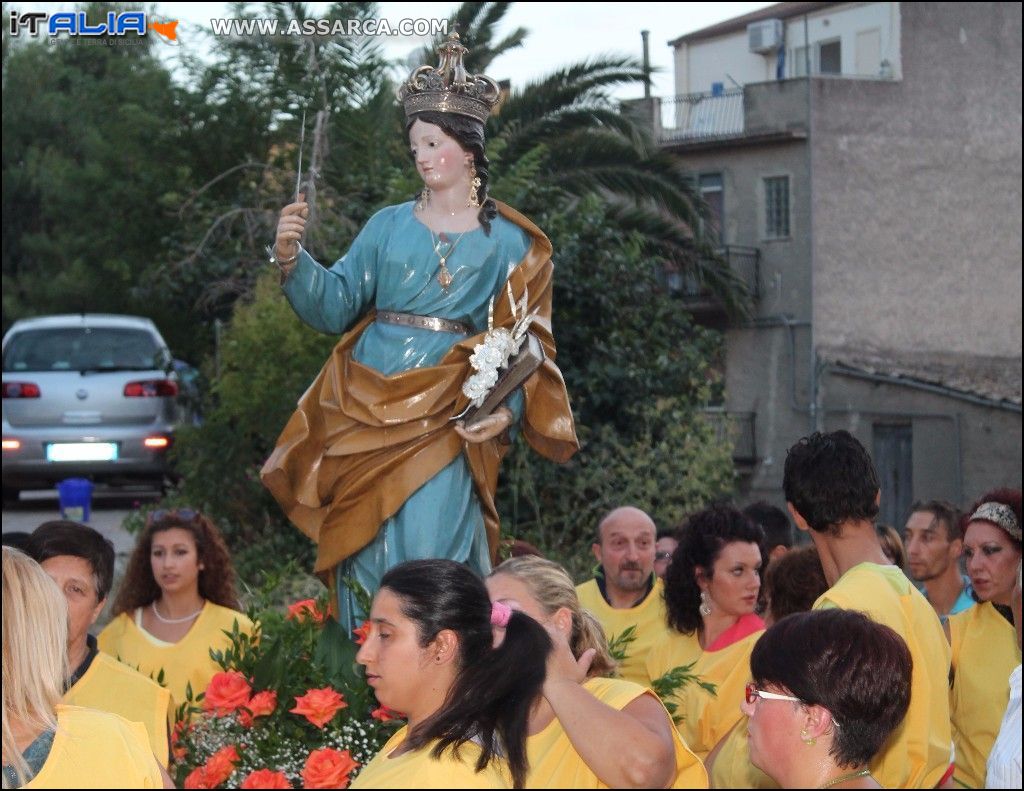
point(81, 451)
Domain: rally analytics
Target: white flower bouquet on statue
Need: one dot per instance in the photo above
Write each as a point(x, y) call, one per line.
point(501, 357)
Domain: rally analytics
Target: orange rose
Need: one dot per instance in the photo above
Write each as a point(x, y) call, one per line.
point(221, 765)
point(226, 692)
point(327, 768)
point(260, 705)
point(265, 778)
point(306, 609)
point(362, 632)
point(177, 748)
point(319, 705)
point(384, 714)
point(197, 778)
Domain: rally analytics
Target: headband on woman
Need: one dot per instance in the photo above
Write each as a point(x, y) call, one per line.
point(999, 514)
point(500, 613)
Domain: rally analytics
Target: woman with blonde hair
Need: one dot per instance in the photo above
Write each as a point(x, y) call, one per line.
point(586, 730)
point(176, 602)
point(47, 744)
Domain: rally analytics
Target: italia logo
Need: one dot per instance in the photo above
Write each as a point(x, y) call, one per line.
point(75, 23)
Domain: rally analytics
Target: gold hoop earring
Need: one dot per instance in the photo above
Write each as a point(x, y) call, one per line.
point(810, 741)
point(474, 185)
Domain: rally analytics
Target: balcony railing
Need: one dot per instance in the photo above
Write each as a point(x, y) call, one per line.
point(702, 116)
point(737, 428)
point(745, 263)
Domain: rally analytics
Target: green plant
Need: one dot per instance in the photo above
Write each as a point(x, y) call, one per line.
point(668, 685)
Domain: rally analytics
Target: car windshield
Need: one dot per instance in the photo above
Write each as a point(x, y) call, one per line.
point(83, 349)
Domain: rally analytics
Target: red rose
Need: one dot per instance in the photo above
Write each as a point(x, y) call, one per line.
point(362, 632)
point(197, 778)
point(319, 705)
point(177, 748)
point(384, 714)
point(260, 705)
point(327, 768)
point(306, 609)
point(221, 765)
point(265, 778)
point(226, 692)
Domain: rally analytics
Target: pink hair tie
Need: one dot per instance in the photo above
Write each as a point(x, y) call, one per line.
point(500, 613)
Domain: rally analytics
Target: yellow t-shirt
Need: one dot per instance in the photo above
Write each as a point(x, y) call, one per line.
point(96, 749)
point(184, 662)
point(732, 767)
point(109, 685)
point(554, 762)
point(985, 652)
point(706, 718)
point(917, 753)
point(648, 617)
point(419, 769)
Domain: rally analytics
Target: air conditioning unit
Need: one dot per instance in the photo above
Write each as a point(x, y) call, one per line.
point(765, 37)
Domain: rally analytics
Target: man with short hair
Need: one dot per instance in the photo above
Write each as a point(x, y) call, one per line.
point(832, 492)
point(625, 591)
point(81, 561)
point(778, 532)
point(933, 541)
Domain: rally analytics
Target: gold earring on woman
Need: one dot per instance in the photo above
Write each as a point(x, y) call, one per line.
point(474, 185)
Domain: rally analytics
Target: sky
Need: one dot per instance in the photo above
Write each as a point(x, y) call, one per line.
point(559, 33)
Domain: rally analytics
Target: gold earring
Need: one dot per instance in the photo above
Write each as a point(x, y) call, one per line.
point(810, 741)
point(474, 185)
point(424, 199)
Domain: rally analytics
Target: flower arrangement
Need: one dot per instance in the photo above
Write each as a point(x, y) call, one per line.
point(290, 710)
point(498, 346)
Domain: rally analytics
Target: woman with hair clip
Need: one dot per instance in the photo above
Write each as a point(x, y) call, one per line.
point(586, 730)
point(47, 744)
point(374, 465)
point(175, 602)
point(983, 638)
point(711, 591)
point(431, 653)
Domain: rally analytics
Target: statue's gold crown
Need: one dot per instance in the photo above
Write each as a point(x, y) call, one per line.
point(447, 88)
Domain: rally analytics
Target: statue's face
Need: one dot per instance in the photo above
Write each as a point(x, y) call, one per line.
point(440, 160)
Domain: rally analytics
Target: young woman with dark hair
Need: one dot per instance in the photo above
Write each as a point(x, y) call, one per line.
point(829, 687)
point(711, 590)
point(176, 600)
point(983, 639)
point(431, 654)
point(376, 465)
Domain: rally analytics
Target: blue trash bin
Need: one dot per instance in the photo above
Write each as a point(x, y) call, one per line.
point(75, 499)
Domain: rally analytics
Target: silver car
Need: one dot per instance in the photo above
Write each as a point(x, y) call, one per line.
point(87, 395)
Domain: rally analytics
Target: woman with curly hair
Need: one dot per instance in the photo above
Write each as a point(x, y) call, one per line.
point(983, 638)
point(711, 590)
point(176, 601)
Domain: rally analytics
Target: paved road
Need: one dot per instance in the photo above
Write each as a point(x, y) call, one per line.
point(109, 508)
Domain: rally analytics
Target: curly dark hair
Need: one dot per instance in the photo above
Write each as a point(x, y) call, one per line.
point(216, 579)
point(829, 479)
point(469, 134)
point(793, 582)
point(1008, 497)
point(843, 661)
point(702, 538)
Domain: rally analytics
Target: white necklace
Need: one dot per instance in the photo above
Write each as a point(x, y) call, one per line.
point(160, 618)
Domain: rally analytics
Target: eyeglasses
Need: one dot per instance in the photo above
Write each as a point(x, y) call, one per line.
point(663, 556)
point(753, 693)
point(185, 515)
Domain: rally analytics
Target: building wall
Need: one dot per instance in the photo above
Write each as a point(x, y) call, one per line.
point(917, 191)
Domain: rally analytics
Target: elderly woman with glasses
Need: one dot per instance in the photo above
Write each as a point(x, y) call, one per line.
point(829, 688)
point(175, 603)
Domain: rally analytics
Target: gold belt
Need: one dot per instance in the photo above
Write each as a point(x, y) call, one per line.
point(424, 322)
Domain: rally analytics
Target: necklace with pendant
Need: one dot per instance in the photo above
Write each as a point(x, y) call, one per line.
point(444, 277)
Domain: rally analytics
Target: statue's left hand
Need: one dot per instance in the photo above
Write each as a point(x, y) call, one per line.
point(486, 428)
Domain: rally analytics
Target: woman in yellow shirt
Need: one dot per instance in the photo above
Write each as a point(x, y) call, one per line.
point(431, 654)
point(587, 731)
point(175, 603)
point(983, 639)
point(711, 590)
point(46, 744)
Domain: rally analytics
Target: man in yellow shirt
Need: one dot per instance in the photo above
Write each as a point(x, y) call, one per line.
point(625, 592)
point(832, 492)
point(81, 561)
